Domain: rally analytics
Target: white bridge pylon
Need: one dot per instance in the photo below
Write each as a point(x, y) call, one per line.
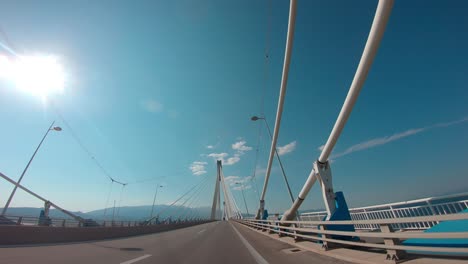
point(321, 171)
point(230, 208)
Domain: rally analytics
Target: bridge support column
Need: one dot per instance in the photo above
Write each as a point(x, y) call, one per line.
point(46, 208)
point(216, 197)
point(321, 166)
point(44, 219)
point(324, 243)
point(393, 256)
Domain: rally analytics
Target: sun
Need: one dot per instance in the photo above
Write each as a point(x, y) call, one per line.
point(39, 75)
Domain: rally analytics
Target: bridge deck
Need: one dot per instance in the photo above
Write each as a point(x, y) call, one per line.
point(216, 242)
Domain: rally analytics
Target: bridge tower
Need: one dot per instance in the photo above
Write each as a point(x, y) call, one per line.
point(217, 196)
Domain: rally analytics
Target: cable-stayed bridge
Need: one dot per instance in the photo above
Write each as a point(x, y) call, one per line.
point(430, 230)
point(227, 236)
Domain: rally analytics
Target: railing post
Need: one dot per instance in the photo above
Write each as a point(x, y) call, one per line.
point(279, 231)
point(272, 229)
point(433, 211)
point(324, 243)
point(367, 217)
point(394, 215)
point(264, 228)
point(20, 220)
point(393, 212)
point(393, 255)
point(63, 223)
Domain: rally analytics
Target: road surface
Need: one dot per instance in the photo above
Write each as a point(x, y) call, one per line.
point(216, 242)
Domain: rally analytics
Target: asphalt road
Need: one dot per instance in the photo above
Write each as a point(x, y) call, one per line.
point(216, 242)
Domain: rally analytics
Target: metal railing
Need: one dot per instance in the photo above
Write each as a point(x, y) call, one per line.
point(442, 205)
point(391, 240)
point(62, 222)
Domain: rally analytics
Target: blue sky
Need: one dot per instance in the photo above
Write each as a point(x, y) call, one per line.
point(150, 85)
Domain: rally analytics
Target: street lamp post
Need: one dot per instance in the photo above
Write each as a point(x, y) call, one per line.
point(113, 214)
point(243, 196)
point(5, 208)
point(255, 118)
point(154, 200)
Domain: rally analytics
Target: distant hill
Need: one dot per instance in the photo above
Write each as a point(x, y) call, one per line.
point(35, 212)
point(132, 213)
point(125, 213)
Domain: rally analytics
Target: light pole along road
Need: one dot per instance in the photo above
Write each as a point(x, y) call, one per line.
point(5, 208)
point(243, 196)
point(255, 118)
point(154, 199)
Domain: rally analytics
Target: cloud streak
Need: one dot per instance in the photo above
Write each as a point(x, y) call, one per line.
point(244, 182)
point(240, 147)
point(372, 143)
point(198, 168)
point(152, 106)
point(232, 160)
point(223, 157)
point(218, 156)
point(288, 148)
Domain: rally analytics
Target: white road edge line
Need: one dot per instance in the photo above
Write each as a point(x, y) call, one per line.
point(136, 259)
point(253, 252)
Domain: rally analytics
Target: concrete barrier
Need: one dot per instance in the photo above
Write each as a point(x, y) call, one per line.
point(21, 235)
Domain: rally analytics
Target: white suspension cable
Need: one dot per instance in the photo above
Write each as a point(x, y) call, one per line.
point(377, 30)
point(279, 112)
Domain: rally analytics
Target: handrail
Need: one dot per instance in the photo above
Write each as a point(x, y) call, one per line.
point(401, 203)
point(69, 222)
point(372, 234)
point(461, 216)
point(395, 251)
point(373, 245)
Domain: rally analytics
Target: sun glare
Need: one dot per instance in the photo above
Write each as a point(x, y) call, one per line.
point(39, 75)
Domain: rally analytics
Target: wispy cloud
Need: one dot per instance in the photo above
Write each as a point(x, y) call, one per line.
point(223, 157)
point(288, 148)
point(231, 179)
point(237, 182)
point(152, 106)
point(456, 122)
point(240, 187)
point(213, 146)
point(232, 160)
point(387, 139)
point(198, 167)
point(241, 147)
point(218, 156)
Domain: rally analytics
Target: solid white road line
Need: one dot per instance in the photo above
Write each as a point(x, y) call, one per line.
point(253, 252)
point(136, 259)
